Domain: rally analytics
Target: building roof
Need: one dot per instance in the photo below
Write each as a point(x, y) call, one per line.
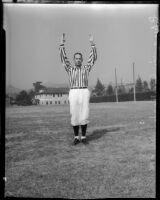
point(54, 91)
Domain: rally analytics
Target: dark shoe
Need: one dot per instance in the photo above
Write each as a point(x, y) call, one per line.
point(76, 141)
point(84, 141)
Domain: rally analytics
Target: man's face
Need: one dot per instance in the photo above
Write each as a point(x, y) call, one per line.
point(78, 60)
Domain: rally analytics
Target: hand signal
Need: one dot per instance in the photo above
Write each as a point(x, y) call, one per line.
point(63, 38)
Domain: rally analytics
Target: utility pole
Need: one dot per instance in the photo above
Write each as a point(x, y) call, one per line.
point(134, 83)
point(116, 86)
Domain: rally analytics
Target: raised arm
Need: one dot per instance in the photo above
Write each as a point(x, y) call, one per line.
point(93, 54)
point(63, 56)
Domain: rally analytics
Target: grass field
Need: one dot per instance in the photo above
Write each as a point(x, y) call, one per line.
point(118, 162)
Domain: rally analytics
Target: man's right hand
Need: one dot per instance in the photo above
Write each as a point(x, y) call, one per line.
point(63, 38)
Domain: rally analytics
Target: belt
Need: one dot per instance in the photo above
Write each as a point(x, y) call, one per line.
point(79, 88)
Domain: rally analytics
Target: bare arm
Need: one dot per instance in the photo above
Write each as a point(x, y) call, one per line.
point(66, 63)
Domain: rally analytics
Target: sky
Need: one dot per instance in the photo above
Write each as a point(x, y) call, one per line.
point(123, 34)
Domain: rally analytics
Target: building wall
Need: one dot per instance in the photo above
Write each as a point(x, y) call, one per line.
point(52, 99)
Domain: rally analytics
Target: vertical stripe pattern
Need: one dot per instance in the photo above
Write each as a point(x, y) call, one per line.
point(78, 76)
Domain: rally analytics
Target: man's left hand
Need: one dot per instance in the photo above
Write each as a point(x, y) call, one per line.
point(91, 39)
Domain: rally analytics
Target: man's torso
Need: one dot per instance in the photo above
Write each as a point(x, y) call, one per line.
point(78, 76)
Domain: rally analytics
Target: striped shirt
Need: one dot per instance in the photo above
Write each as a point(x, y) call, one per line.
point(78, 76)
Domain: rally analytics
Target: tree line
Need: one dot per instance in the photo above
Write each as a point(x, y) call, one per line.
point(27, 98)
point(140, 86)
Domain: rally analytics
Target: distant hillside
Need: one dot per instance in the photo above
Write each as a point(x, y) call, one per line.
point(50, 84)
point(12, 90)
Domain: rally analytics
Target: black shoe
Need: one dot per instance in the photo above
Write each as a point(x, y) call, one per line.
point(84, 141)
point(76, 141)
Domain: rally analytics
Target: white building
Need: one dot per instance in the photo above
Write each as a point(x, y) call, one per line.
point(52, 96)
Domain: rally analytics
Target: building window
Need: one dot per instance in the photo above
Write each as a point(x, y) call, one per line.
point(46, 102)
point(55, 102)
point(65, 102)
point(59, 102)
point(50, 102)
point(53, 95)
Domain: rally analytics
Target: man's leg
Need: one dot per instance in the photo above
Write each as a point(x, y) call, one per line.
point(84, 114)
point(76, 130)
point(83, 128)
point(84, 106)
point(83, 137)
point(76, 134)
point(74, 107)
point(74, 110)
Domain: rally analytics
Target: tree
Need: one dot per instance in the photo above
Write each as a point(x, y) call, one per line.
point(109, 90)
point(145, 86)
point(99, 88)
point(131, 90)
point(121, 89)
point(153, 84)
point(37, 86)
point(139, 85)
point(31, 95)
point(23, 98)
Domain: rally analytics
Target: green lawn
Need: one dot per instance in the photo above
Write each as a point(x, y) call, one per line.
point(118, 162)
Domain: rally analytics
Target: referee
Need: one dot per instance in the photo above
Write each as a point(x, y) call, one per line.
point(79, 93)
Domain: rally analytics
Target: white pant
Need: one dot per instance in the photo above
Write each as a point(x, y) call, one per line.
point(79, 106)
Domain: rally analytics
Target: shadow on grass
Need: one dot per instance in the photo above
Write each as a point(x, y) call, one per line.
point(100, 133)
